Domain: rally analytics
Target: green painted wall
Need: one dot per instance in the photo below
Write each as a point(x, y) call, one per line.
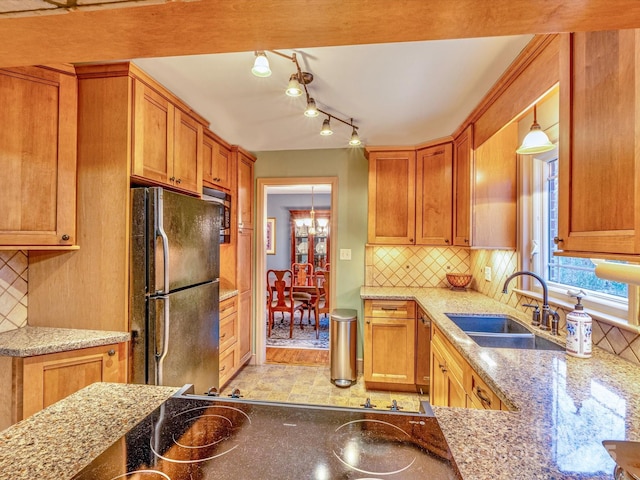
point(351, 168)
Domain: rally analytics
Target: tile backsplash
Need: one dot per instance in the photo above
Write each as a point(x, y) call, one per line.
point(413, 266)
point(13, 289)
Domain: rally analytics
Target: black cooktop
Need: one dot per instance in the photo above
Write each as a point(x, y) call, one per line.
point(194, 437)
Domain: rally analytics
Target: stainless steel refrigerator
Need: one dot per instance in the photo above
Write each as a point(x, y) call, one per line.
point(174, 289)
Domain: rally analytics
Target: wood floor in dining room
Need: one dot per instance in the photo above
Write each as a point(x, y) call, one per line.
point(298, 356)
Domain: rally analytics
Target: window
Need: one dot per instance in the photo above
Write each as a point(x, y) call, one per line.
point(605, 299)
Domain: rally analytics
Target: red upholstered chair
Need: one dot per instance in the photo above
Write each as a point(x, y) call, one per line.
point(280, 299)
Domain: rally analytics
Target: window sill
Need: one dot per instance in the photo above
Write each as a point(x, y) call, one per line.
point(602, 317)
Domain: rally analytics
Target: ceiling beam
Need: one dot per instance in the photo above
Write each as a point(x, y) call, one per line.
point(215, 26)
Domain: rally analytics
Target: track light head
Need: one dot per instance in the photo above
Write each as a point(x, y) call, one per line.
point(312, 109)
point(261, 65)
point(355, 139)
point(326, 128)
point(293, 89)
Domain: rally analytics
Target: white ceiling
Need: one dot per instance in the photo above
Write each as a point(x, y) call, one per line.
point(397, 93)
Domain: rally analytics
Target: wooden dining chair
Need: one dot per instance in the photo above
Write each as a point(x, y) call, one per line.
point(303, 277)
point(280, 298)
point(320, 302)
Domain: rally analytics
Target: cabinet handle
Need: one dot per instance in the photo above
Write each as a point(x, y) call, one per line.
point(65, 237)
point(443, 368)
point(425, 321)
point(223, 335)
point(483, 398)
point(179, 180)
point(389, 309)
point(466, 240)
point(111, 352)
point(222, 369)
point(446, 240)
point(172, 179)
point(557, 240)
point(368, 321)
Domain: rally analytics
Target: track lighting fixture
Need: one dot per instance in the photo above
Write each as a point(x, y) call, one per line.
point(261, 66)
point(536, 141)
point(326, 128)
point(297, 85)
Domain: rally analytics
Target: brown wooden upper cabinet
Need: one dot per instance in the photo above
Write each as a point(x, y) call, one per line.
point(167, 140)
point(485, 190)
point(599, 158)
point(245, 189)
point(38, 114)
point(216, 161)
point(410, 196)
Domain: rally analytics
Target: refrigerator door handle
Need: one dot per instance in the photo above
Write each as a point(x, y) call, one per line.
point(165, 247)
point(165, 342)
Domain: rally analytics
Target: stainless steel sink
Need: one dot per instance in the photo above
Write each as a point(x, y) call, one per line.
point(500, 331)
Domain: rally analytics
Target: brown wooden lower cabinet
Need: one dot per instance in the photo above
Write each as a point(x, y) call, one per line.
point(453, 382)
point(39, 381)
point(229, 348)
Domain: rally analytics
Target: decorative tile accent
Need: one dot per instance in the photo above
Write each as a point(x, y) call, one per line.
point(13, 289)
point(413, 266)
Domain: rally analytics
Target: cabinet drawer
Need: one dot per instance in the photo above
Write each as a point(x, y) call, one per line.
point(390, 308)
point(228, 307)
point(481, 394)
point(228, 329)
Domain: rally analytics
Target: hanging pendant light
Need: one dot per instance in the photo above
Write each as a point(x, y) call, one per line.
point(355, 139)
point(261, 65)
point(536, 141)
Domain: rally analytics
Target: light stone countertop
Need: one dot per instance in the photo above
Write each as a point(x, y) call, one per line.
point(227, 293)
point(565, 406)
point(29, 341)
point(59, 441)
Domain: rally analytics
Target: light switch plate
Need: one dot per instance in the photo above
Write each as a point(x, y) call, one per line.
point(345, 254)
point(487, 274)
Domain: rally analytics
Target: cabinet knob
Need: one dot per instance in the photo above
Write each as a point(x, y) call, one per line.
point(466, 240)
point(483, 398)
point(223, 368)
point(557, 240)
point(223, 335)
point(172, 179)
point(446, 240)
point(65, 237)
point(111, 352)
point(179, 180)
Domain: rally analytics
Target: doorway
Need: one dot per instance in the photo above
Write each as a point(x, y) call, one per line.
point(276, 248)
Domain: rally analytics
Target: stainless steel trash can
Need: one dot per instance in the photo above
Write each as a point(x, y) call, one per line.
point(344, 329)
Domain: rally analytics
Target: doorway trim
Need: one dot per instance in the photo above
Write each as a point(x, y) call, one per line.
point(261, 252)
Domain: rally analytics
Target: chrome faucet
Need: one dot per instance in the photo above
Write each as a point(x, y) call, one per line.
point(549, 320)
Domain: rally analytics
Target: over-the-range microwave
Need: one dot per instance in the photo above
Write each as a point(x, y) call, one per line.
point(224, 200)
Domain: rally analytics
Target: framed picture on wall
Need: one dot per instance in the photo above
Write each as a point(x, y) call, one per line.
point(270, 237)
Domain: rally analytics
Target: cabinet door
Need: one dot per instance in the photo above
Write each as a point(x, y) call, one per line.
point(462, 187)
point(187, 161)
point(245, 191)
point(438, 386)
point(599, 203)
point(392, 197)
point(423, 348)
point(434, 180)
point(389, 350)
point(52, 377)
point(153, 120)
point(38, 157)
point(245, 327)
point(216, 162)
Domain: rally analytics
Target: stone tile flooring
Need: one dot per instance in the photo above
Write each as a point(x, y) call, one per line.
point(312, 385)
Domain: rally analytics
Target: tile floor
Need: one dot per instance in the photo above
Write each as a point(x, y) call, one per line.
point(312, 385)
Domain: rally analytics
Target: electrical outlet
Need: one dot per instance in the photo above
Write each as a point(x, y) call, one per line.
point(487, 274)
point(345, 254)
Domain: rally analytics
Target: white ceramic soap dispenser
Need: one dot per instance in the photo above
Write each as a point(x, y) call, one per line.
point(578, 328)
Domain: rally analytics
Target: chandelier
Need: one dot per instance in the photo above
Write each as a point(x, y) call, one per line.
point(311, 225)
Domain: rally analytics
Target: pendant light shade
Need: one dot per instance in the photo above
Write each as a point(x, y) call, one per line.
point(536, 141)
point(294, 89)
point(326, 128)
point(312, 109)
point(261, 66)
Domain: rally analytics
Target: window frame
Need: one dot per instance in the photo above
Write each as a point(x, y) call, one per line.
point(535, 203)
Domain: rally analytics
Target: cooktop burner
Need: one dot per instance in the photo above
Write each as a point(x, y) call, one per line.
point(194, 437)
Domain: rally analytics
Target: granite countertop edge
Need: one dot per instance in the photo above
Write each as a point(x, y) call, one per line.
point(30, 341)
point(227, 293)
